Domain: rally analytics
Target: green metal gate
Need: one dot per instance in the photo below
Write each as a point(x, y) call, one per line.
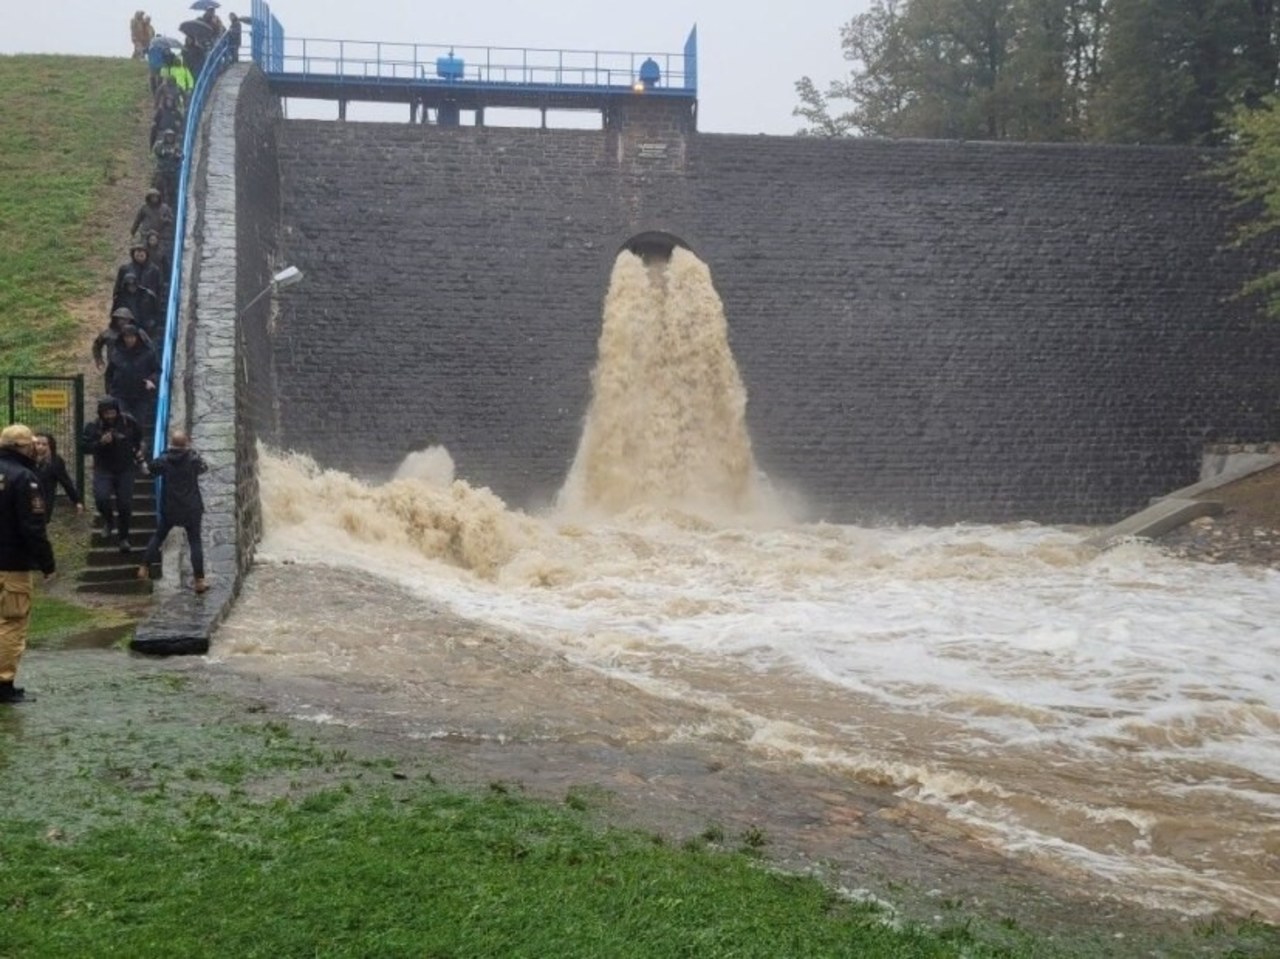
point(53, 405)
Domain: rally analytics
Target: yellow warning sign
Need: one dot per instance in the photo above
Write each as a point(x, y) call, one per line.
point(50, 399)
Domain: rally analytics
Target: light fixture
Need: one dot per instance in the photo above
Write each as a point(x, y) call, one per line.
point(284, 278)
point(287, 277)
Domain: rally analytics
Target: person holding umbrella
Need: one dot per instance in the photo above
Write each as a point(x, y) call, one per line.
point(155, 57)
point(193, 53)
point(209, 14)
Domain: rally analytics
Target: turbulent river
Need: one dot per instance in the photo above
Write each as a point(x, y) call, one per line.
point(1109, 715)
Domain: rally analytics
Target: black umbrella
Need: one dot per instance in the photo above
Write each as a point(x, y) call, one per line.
point(205, 5)
point(198, 30)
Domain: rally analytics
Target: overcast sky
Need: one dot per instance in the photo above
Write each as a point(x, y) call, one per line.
point(750, 53)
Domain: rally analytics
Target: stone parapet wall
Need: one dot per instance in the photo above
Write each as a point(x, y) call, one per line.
point(221, 373)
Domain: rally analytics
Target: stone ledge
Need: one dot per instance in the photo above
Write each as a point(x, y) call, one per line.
point(183, 624)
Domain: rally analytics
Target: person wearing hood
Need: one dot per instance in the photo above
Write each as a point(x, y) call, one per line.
point(52, 471)
point(141, 302)
point(168, 115)
point(140, 265)
point(156, 50)
point(174, 69)
point(24, 546)
point(193, 55)
point(167, 153)
point(180, 506)
point(158, 254)
point(132, 374)
point(154, 215)
point(114, 440)
point(120, 317)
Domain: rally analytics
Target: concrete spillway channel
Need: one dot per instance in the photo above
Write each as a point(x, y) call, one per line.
point(1181, 506)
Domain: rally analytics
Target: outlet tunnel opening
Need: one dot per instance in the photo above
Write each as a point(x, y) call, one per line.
point(655, 246)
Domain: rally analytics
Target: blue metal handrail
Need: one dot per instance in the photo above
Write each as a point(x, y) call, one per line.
point(374, 61)
point(217, 61)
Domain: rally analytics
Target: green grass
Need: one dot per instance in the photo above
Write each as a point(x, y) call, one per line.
point(52, 618)
point(442, 875)
point(66, 123)
point(142, 816)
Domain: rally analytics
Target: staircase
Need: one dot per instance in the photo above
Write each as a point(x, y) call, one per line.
point(109, 571)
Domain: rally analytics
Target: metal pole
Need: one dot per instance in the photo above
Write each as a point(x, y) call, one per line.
point(79, 428)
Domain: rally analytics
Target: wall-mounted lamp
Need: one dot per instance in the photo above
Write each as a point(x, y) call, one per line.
point(279, 281)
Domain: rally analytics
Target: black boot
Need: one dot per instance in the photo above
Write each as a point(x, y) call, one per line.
point(10, 693)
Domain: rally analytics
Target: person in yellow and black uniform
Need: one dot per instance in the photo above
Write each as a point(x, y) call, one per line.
point(24, 546)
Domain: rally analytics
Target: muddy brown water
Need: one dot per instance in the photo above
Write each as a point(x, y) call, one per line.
point(493, 708)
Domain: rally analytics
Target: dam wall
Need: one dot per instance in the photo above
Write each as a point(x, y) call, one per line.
point(928, 331)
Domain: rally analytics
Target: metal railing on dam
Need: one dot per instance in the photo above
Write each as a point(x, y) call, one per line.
point(471, 77)
point(214, 65)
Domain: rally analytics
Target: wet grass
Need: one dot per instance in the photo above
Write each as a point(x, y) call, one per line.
point(53, 619)
point(67, 124)
point(439, 874)
point(58, 621)
point(140, 811)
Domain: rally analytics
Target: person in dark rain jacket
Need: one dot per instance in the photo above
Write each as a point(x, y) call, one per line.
point(181, 505)
point(114, 439)
point(120, 317)
point(168, 116)
point(24, 546)
point(140, 265)
point(141, 302)
point(158, 254)
point(52, 472)
point(133, 373)
point(154, 214)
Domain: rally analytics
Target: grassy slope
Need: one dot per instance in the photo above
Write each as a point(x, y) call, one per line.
point(67, 128)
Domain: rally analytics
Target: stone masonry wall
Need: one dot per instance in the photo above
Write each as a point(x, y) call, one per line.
point(928, 331)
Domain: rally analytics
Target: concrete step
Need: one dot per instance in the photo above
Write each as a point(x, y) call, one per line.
point(137, 524)
point(123, 587)
point(112, 574)
point(107, 556)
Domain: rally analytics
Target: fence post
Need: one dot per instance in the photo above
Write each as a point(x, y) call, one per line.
point(79, 429)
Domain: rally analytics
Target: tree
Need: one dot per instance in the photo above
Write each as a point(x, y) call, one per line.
point(874, 43)
point(1253, 174)
point(1131, 71)
point(973, 69)
point(1174, 69)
